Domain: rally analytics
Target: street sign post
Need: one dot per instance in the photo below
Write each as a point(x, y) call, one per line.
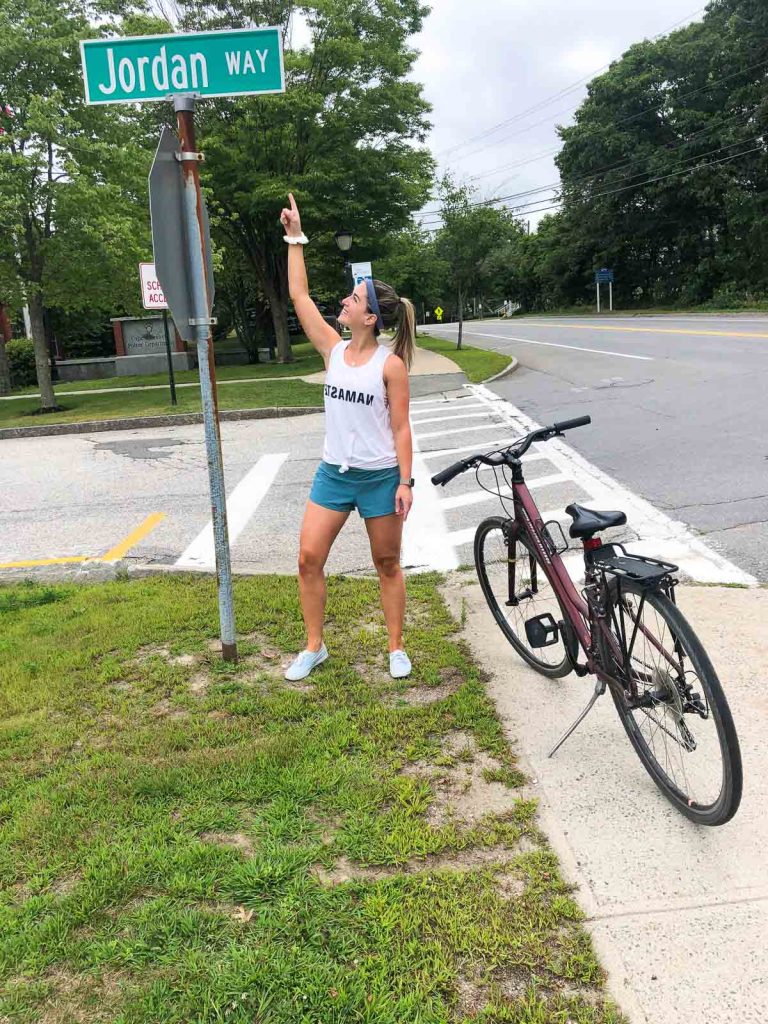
point(604, 276)
point(135, 69)
point(241, 62)
point(152, 297)
point(439, 313)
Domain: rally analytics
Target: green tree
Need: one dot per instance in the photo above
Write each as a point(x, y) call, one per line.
point(72, 177)
point(470, 233)
point(413, 266)
point(664, 171)
point(341, 137)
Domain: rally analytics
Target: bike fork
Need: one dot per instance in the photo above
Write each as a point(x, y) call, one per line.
point(598, 692)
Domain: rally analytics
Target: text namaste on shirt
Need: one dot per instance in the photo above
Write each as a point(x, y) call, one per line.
point(358, 429)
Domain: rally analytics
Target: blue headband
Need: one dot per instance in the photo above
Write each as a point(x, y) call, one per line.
point(373, 303)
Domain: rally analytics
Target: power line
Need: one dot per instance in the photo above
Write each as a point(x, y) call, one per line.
point(556, 96)
point(528, 160)
point(516, 163)
point(529, 208)
point(740, 118)
point(631, 117)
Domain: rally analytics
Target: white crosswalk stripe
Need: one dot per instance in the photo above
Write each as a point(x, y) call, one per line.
point(460, 430)
point(467, 536)
point(241, 505)
point(476, 497)
point(450, 419)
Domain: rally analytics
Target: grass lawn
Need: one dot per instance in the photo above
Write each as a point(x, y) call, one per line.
point(184, 841)
point(119, 404)
point(307, 360)
point(477, 363)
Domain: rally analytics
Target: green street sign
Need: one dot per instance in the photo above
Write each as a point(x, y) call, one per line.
point(234, 62)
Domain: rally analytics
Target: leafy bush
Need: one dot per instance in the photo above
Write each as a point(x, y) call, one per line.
point(21, 359)
point(83, 334)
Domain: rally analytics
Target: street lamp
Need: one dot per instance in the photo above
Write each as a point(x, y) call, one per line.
point(343, 240)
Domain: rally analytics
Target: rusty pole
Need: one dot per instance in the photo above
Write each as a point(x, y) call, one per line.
point(184, 107)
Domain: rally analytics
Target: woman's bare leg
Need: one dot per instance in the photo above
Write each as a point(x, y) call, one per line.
point(385, 534)
point(318, 532)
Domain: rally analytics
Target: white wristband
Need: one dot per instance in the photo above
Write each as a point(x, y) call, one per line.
point(296, 240)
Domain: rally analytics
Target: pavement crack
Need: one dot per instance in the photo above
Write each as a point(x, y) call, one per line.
point(624, 384)
point(712, 504)
point(736, 526)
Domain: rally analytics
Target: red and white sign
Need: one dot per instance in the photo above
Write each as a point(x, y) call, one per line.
point(151, 290)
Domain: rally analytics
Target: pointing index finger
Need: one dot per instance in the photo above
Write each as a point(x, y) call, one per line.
point(292, 202)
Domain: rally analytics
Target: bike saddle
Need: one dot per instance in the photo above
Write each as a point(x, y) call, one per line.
point(587, 521)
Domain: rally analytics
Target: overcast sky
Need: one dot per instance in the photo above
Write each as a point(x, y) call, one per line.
point(488, 61)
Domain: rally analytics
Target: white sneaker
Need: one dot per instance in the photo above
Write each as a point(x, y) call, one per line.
point(399, 664)
point(303, 663)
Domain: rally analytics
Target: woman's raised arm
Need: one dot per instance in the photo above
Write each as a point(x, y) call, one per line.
point(320, 333)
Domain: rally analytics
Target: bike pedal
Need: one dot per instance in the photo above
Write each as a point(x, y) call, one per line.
point(542, 630)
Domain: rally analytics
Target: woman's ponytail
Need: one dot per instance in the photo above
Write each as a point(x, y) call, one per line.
point(398, 313)
point(405, 336)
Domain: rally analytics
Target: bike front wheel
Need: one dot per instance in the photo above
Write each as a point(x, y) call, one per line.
point(517, 589)
point(671, 704)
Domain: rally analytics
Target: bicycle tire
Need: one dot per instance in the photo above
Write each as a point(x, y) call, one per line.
point(551, 669)
point(723, 808)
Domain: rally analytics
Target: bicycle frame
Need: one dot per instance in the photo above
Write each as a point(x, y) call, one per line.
point(528, 520)
point(579, 613)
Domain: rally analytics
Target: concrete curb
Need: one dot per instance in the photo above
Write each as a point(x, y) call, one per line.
point(139, 422)
point(506, 372)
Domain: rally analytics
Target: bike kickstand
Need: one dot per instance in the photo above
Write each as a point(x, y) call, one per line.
point(598, 692)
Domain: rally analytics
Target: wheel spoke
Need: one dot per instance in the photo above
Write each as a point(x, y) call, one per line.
point(519, 589)
point(684, 746)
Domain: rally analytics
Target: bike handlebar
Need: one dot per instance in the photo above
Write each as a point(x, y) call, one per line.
point(515, 451)
point(580, 421)
point(450, 472)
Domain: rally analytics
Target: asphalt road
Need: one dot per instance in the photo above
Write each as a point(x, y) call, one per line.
point(74, 502)
point(678, 404)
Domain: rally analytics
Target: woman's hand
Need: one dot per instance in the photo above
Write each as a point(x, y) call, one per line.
point(290, 218)
point(403, 501)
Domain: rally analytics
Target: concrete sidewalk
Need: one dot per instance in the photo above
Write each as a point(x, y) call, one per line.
point(678, 913)
point(430, 372)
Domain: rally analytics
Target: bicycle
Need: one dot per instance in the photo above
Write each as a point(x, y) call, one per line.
point(626, 624)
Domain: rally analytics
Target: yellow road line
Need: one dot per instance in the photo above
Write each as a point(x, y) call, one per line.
point(645, 330)
point(113, 555)
point(133, 538)
point(45, 561)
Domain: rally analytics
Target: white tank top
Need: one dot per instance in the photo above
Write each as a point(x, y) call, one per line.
point(358, 430)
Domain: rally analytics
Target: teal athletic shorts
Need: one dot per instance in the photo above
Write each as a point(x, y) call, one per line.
point(370, 491)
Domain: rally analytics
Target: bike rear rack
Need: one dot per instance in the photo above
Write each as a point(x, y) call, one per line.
point(648, 573)
point(640, 569)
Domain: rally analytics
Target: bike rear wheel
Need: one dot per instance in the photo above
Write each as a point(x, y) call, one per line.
point(671, 704)
point(507, 565)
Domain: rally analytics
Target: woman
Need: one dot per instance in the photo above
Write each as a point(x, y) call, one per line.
point(368, 449)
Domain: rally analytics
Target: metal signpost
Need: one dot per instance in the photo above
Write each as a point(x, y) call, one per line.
point(152, 297)
point(604, 276)
point(180, 68)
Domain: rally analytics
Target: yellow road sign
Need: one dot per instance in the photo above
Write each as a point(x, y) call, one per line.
point(439, 312)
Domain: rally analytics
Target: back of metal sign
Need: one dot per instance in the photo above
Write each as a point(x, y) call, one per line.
point(166, 187)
